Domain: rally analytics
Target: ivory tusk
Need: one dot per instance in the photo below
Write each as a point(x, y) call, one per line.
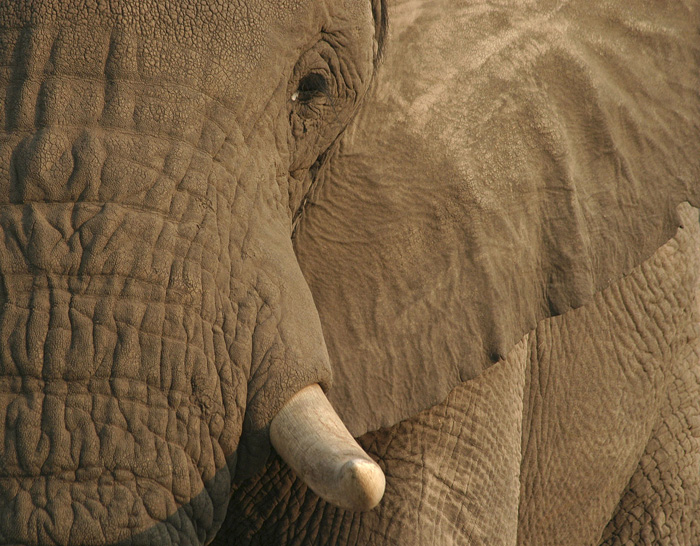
point(308, 434)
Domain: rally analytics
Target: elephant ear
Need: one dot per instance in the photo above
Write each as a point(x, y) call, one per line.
point(512, 159)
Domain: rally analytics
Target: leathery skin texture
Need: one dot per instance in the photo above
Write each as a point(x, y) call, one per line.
point(156, 157)
point(606, 397)
point(153, 316)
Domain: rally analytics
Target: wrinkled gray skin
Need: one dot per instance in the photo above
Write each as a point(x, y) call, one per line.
point(483, 234)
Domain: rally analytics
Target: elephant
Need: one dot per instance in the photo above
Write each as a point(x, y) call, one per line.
point(238, 234)
point(526, 139)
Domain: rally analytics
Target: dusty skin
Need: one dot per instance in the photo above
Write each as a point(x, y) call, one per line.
point(472, 224)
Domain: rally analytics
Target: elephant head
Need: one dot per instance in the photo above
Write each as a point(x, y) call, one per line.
point(154, 318)
point(177, 172)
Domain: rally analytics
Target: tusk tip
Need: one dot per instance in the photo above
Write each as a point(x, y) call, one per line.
point(363, 483)
point(312, 440)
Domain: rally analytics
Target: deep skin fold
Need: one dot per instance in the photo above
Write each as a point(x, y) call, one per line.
point(533, 92)
point(153, 308)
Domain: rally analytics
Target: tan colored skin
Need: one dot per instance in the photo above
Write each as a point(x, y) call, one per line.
point(542, 148)
point(504, 169)
point(153, 315)
point(587, 433)
point(164, 209)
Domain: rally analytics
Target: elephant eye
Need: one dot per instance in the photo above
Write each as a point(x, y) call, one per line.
point(311, 86)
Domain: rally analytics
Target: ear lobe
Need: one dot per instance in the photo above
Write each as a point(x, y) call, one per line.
point(489, 183)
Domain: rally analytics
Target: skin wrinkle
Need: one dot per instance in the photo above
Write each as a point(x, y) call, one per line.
point(617, 237)
point(599, 341)
point(225, 349)
point(141, 313)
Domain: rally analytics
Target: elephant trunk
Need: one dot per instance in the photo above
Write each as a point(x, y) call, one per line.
point(122, 401)
point(114, 427)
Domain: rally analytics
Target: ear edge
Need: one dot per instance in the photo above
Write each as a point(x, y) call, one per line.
point(381, 27)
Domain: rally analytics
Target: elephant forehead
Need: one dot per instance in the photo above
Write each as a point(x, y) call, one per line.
point(169, 17)
point(220, 27)
point(238, 53)
point(223, 30)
